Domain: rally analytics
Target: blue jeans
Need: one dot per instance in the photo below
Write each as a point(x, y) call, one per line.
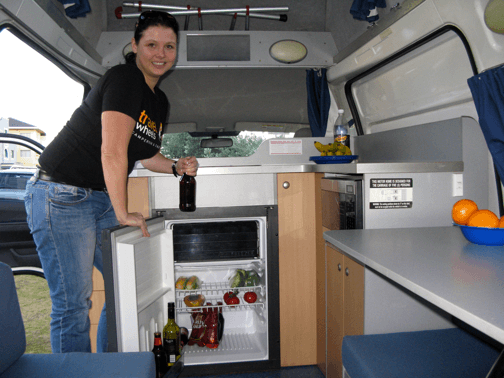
point(66, 223)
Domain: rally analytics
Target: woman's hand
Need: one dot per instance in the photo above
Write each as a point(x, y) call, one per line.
point(187, 165)
point(135, 220)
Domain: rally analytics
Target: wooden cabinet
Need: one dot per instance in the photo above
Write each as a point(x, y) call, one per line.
point(345, 305)
point(302, 286)
point(138, 201)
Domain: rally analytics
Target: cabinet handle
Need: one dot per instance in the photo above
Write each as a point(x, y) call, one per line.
point(347, 271)
point(339, 267)
point(286, 184)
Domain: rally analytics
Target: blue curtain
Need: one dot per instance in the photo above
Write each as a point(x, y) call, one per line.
point(361, 9)
point(487, 89)
point(76, 8)
point(319, 101)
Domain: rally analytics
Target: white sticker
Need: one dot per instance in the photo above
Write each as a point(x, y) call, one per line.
point(391, 193)
point(286, 147)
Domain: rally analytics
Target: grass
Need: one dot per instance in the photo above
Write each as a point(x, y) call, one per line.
point(33, 294)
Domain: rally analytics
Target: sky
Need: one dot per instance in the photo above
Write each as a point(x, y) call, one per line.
point(33, 89)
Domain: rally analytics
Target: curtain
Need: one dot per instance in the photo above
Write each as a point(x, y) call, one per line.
point(319, 101)
point(366, 9)
point(76, 8)
point(487, 89)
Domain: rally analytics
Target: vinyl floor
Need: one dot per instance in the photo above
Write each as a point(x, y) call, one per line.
point(289, 372)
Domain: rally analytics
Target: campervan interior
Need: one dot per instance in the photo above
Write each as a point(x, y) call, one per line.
point(255, 90)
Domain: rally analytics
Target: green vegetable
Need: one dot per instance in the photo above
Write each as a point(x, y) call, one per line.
point(238, 279)
point(252, 278)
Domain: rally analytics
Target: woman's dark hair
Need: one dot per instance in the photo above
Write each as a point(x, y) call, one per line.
point(148, 19)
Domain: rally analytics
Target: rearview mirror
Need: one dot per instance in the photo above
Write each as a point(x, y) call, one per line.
point(215, 142)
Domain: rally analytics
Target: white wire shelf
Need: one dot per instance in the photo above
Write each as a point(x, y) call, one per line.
point(214, 293)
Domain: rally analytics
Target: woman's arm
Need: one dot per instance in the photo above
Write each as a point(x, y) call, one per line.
point(159, 163)
point(116, 133)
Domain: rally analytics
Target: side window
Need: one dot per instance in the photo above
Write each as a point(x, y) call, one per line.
point(37, 96)
point(36, 101)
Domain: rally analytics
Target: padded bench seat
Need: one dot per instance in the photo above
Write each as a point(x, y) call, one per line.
point(83, 365)
point(15, 363)
point(441, 353)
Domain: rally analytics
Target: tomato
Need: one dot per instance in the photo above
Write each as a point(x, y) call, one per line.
point(250, 297)
point(229, 294)
point(233, 300)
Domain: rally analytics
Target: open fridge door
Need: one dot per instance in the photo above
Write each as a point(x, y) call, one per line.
point(139, 282)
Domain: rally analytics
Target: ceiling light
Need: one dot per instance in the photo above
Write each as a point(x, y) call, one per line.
point(288, 51)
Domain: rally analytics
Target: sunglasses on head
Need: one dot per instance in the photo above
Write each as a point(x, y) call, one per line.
point(152, 14)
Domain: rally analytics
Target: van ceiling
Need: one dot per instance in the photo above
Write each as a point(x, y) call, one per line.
point(222, 97)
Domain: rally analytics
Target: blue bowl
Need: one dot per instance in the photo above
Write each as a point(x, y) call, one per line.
point(483, 235)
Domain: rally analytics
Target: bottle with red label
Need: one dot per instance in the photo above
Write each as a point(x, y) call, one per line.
point(159, 356)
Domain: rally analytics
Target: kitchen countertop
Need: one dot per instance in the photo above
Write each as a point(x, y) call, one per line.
point(350, 168)
point(438, 264)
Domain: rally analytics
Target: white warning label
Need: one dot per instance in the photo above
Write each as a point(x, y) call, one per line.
point(391, 193)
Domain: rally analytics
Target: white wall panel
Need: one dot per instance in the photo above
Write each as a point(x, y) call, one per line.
point(217, 191)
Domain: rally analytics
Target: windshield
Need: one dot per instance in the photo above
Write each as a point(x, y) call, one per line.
point(179, 145)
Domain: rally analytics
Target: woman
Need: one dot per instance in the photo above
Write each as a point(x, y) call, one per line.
point(81, 186)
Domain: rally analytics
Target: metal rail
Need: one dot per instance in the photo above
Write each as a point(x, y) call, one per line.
point(184, 11)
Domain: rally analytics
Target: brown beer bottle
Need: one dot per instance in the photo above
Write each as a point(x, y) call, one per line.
point(187, 193)
point(159, 356)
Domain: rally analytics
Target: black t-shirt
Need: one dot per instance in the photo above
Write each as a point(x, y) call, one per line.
point(74, 156)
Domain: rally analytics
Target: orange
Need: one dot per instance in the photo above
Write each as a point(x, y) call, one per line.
point(483, 218)
point(462, 210)
point(501, 222)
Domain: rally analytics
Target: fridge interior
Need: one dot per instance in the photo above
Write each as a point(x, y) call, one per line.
point(145, 273)
point(239, 244)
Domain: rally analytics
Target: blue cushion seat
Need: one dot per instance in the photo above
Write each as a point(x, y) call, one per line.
point(15, 364)
point(431, 354)
point(12, 331)
point(83, 365)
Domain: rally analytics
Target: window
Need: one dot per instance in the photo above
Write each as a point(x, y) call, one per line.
point(38, 94)
point(44, 98)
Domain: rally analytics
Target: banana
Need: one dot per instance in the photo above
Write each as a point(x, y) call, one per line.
point(332, 149)
point(322, 148)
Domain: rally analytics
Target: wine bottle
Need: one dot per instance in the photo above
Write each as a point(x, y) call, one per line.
point(171, 337)
point(187, 191)
point(159, 356)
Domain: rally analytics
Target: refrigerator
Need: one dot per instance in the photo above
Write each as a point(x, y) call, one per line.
point(212, 244)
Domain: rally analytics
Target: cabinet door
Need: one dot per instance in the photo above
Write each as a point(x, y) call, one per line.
point(345, 305)
point(335, 311)
point(298, 219)
point(353, 297)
